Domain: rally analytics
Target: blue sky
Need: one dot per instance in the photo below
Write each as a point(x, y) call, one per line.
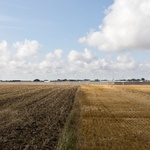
point(55, 24)
point(74, 39)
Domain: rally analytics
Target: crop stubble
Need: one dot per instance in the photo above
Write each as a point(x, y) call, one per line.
point(110, 117)
point(32, 117)
point(114, 118)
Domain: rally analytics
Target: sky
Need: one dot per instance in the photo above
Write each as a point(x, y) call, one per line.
point(74, 39)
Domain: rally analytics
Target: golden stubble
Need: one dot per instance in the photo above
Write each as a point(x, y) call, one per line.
point(114, 117)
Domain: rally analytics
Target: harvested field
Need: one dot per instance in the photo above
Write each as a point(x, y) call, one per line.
point(114, 118)
point(33, 116)
point(58, 117)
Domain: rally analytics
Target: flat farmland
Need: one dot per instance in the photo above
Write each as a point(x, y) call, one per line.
point(33, 116)
point(58, 117)
point(114, 118)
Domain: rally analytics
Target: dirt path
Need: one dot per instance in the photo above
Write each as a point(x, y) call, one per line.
point(114, 118)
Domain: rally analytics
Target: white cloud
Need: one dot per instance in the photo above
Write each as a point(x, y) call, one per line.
point(27, 48)
point(3, 46)
point(52, 62)
point(56, 55)
point(126, 26)
point(86, 56)
point(86, 62)
point(83, 64)
point(145, 8)
point(19, 63)
point(124, 63)
point(145, 66)
point(4, 53)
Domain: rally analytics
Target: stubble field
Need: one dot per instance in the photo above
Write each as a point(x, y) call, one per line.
point(71, 117)
point(114, 118)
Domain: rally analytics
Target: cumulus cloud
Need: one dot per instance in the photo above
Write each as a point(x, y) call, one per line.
point(125, 62)
point(56, 55)
point(83, 64)
point(27, 48)
point(86, 56)
point(126, 26)
point(52, 62)
point(86, 62)
point(18, 59)
point(145, 66)
point(4, 53)
point(79, 61)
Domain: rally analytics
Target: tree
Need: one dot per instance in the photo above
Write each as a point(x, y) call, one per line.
point(36, 80)
point(143, 79)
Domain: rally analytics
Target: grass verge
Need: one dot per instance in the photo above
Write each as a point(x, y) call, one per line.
point(68, 138)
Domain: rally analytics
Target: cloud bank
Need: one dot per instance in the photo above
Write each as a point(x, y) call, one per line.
point(22, 60)
point(126, 26)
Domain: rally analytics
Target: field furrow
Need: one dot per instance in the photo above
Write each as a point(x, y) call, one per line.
point(34, 117)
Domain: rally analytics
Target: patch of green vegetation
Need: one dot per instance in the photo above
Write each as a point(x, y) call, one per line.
point(68, 139)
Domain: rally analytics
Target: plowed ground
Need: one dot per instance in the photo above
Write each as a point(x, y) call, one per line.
point(32, 117)
point(114, 118)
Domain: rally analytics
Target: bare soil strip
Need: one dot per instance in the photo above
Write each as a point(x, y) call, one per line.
point(32, 116)
point(114, 118)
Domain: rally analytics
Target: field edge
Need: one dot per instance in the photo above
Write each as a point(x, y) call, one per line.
point(68, 138)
